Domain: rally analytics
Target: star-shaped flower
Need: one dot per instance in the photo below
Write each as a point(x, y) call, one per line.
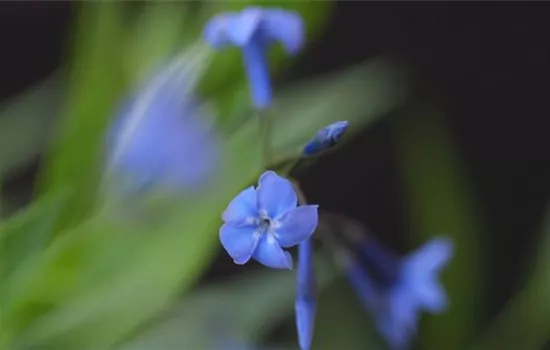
point(260, 222)
point(253, 30)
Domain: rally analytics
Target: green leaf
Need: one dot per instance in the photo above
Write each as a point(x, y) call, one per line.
point(443, 202)
point(359, 95)
point(158, 31)
point(26, 123)
point(90, 296)
point(95, 86)
point(341, 321)
point(525, 321)
point(27, 232)
point(242, 309)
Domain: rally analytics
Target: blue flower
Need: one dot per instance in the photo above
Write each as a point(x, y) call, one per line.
point(162, 136)
point(395, 291)
point(306, 298)
point(260, 222)
point(326, 138)
point(253, 30)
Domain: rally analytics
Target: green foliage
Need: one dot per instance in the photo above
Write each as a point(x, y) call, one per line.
point(442, 202)
point(77, 271)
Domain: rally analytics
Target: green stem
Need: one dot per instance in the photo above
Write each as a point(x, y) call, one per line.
point(265, 137)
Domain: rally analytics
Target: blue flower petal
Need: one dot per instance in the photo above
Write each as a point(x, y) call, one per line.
point(420, 273)
point(431, 295)
point(296, 225)
point(244, 26)
point(275, 194)
point(242, 208)
point(162, 118)
point(257, 71)
point(269, 253)
point(240, 242)
point(216, 30)
point(285, 27)
point(305, 305)
point(305, 321)
point(432, 256)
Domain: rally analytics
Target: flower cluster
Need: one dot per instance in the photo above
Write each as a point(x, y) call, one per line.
point(263, 222)
point(259, 222)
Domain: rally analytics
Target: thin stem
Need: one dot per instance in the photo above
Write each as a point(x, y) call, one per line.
point(265, 137)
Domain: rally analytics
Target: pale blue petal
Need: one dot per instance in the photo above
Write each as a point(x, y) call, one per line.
point(161, 136)
point(275, 194)
point(244, 26)
point(297, 225)
point(432, 256)
point(270, 253)
point(239, 242)
point(431, 296)
point(242, 208)
point(216, 31)
point(285, 27)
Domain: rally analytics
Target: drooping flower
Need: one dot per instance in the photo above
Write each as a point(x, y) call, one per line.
point(326, 138)
point(306, 298)
point(253, 30)
point(395, 291)
point(260, 222)
point(161, 135)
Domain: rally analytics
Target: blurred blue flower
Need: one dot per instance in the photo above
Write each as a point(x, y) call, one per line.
point(306, 298)
point(326, 138)
point(253, 30)
point(162, 136)
point(260, 222)
point(395, 291)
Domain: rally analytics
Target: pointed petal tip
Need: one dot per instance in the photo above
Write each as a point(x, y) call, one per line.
point(305, 322)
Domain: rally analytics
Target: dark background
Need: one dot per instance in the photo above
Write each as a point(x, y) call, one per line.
point(487, 64)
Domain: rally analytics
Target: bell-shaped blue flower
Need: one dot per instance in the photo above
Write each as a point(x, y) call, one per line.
point(306, 295)
point(395, 291)
point(253, 30)
point(326, 138)
point(261, 221)
point(161, 136)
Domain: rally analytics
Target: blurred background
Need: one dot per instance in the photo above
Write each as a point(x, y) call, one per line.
point(461, 149)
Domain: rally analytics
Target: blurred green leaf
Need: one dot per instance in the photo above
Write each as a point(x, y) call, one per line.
point(26, 123)
point(242, 309)
point(342, 322)
point(27, 232)
point(359, 95)
point(95, 85)
point(525, 321)
point(442, 202)
point(81, 308)
point(159, 31)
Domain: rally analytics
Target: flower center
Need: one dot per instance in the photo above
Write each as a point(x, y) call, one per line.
point(265, 222)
